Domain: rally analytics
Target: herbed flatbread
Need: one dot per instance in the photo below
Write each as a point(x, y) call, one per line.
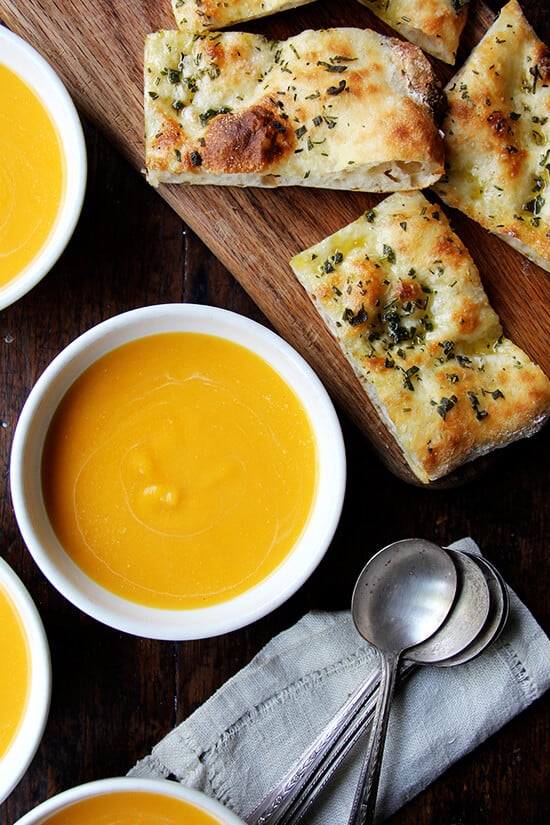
point(497, 136)
point(434, 25)
point(336, 108)
point(403, 297)
point(197, 15)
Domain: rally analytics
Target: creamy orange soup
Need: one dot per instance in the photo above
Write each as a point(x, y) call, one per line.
point(14, 671)
point(131, 808)
point(31, 175)
point(179, 470)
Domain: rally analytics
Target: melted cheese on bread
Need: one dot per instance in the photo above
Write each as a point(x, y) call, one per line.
point(434, 25)
point(198, 15)
point(404, 299)
point(497, 136)
point(336, 108)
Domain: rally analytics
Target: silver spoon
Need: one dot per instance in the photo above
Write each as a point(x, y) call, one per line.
point(402, 597)
point(292, 797)
point(463, 623)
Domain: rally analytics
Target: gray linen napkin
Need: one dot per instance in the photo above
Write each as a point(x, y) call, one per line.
point(240, 743)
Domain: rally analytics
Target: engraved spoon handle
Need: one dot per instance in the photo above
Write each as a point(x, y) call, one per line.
point(289, 800)
point(364, 802)
point(347, 740)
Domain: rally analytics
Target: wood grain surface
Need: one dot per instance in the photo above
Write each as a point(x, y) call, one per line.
point(254, 232)
point(114, 696)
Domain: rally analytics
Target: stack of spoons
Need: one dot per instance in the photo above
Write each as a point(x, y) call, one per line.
point(418, 604)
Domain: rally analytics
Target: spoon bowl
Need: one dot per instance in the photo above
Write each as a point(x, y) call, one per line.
point(403, 594)
point(466, 619)
point(499, 605)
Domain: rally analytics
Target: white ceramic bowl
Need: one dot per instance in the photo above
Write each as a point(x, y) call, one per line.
point(20, 752)
point(36, 72)
point(33, 520)
point(204, 803)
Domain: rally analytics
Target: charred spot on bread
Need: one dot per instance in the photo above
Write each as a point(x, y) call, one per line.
point(247, 141)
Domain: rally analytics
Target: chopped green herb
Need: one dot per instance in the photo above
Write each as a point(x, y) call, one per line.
point(408, 374)
point(331, 67)
point(448, 348)
point(355, 318)
point(534, 206)
point(336, 90)
point(444, 405)
point(474, 401)
point(388, 253)
point(330, 263)
point(205, 117)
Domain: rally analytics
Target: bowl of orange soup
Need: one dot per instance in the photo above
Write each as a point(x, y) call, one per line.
point(178, 471)
point(129, 801)
point(42, 167)
point(25, 679)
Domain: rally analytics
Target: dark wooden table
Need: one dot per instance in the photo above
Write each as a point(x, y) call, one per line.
point(115, 695)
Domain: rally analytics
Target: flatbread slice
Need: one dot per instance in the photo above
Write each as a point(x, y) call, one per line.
point(497, 136)
point(434, 25)
point(197, 15)
point(403, 297)
point(337, 108)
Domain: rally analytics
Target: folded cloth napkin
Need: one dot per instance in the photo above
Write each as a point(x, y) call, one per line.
point(242, 741)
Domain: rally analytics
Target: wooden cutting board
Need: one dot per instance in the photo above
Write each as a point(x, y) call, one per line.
point(97, 48)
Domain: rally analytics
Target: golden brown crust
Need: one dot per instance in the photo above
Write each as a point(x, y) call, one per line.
point(403, 297)
point(433, 25)
point(247, 141)
point(497, 136)
point(338, 108)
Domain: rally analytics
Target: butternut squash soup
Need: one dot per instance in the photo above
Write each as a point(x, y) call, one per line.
point(14, 671)
point(31, 175)
point(130, 808)
point(179, 470)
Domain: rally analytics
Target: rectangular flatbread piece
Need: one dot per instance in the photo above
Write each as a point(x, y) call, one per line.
point(197, 15)
point(335, 108)
point(404, 299)
point(434, 25)
point(497, 136)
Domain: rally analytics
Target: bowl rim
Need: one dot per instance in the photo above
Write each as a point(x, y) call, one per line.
point(21, 750)
point(148, 622)
point(121, 784)
point(34, 69)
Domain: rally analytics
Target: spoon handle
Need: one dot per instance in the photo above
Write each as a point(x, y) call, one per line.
point(288, 802)
point(297, 784)
point(364, 802)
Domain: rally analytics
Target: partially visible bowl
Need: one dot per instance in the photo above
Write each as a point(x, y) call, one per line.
point(20, 58)
point(127, 793)
point(26, 731)
point(100, 602)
